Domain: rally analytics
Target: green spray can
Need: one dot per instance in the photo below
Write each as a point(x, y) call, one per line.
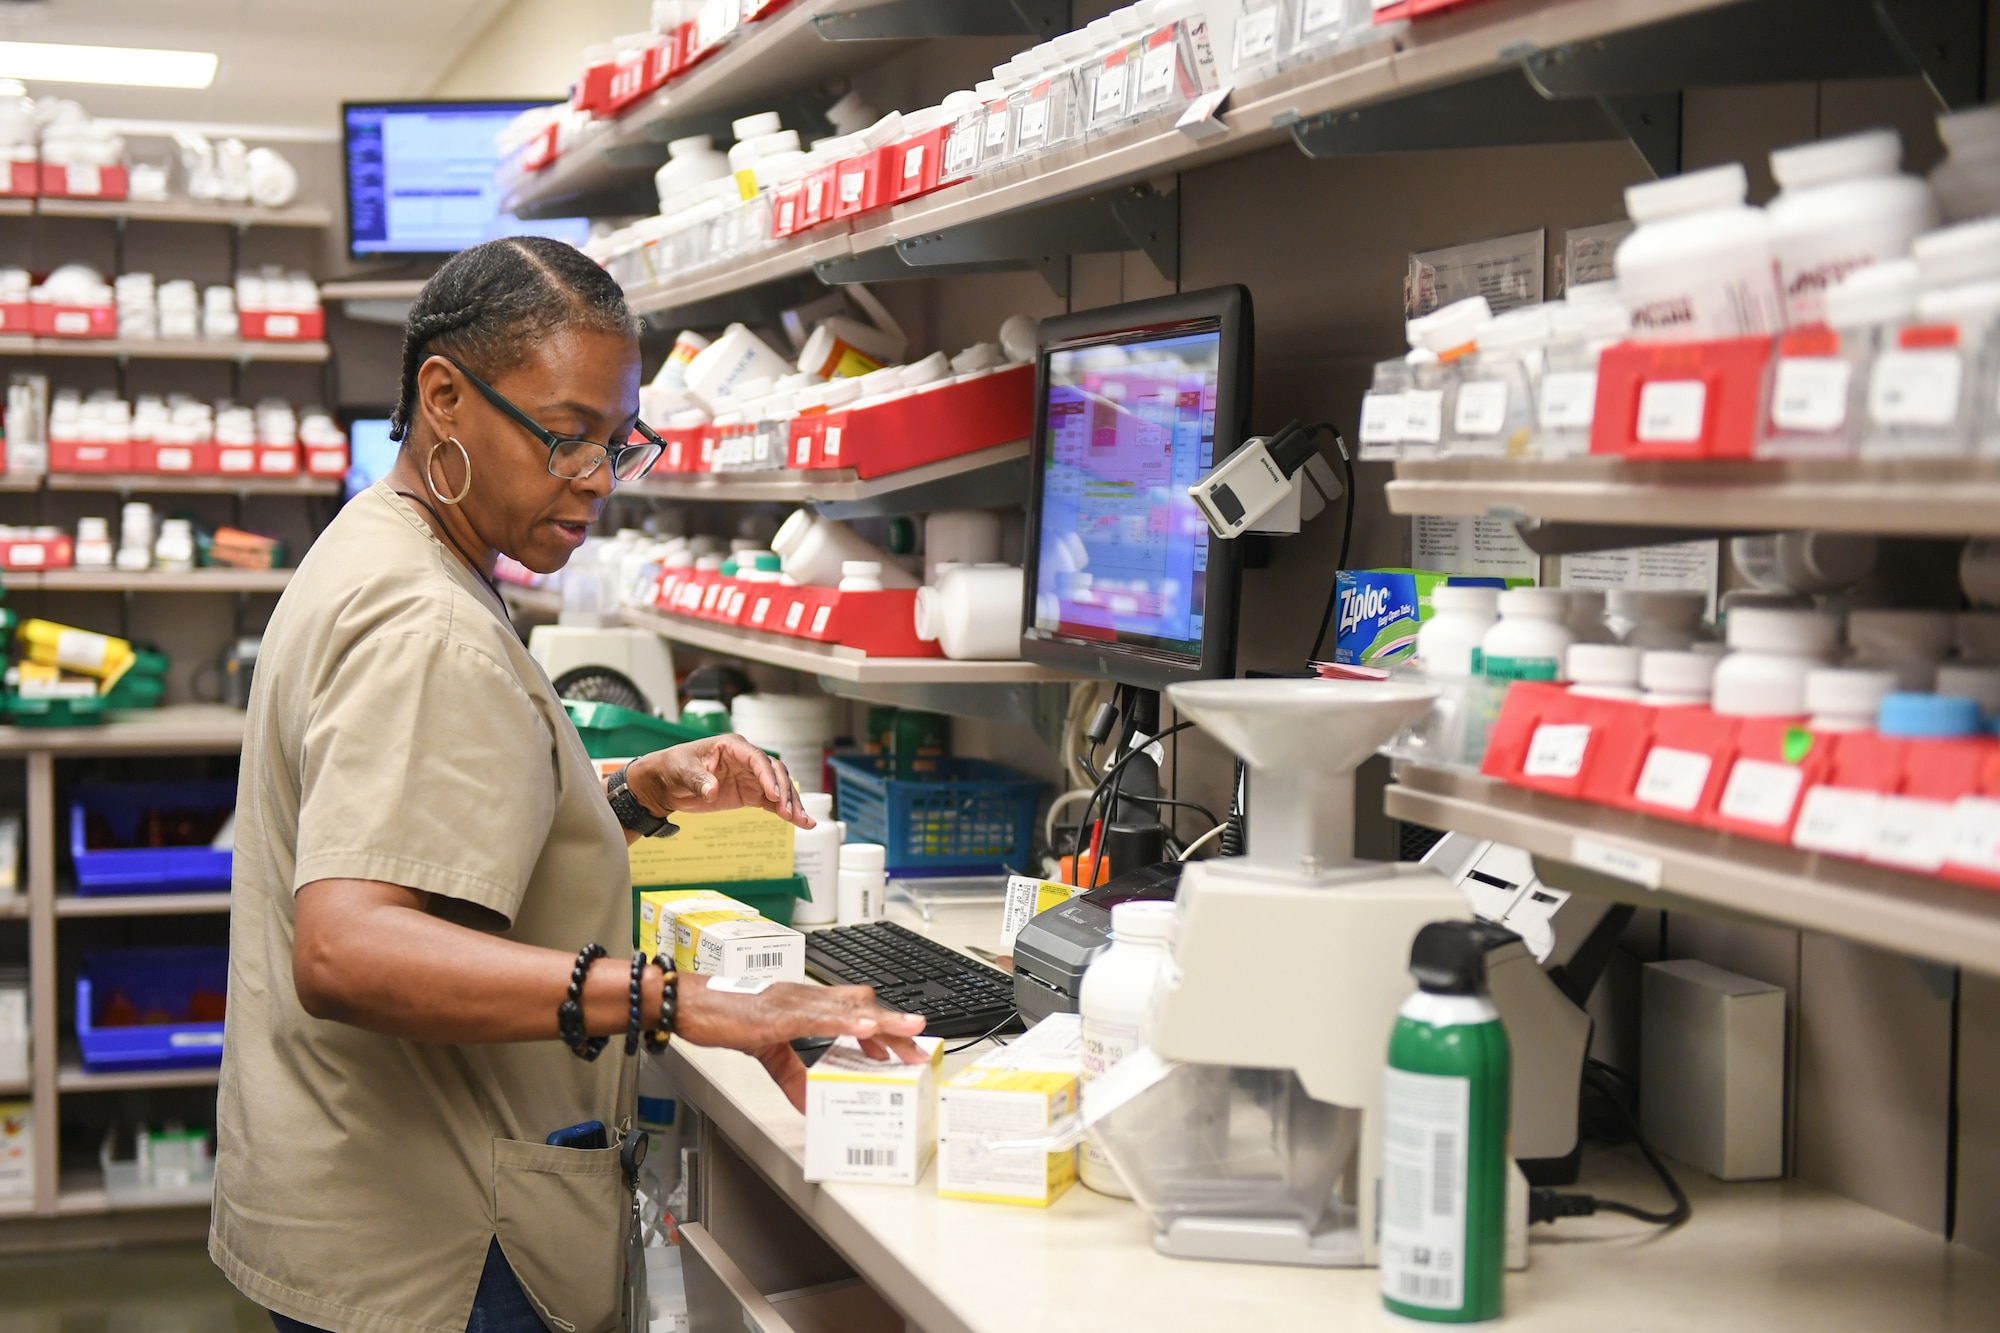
point(1444, 1136)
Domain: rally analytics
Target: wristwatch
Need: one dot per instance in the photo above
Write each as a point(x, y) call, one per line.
point(633, 815)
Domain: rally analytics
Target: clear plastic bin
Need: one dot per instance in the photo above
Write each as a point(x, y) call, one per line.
point(1264, 34)
point(1919, 399)
point(1382, 412)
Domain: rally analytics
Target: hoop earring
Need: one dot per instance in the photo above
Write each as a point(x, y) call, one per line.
point(431, 458)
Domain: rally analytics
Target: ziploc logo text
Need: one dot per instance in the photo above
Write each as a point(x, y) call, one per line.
point(1359, 604)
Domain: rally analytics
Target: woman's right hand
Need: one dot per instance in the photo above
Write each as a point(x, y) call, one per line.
point(764, 1024)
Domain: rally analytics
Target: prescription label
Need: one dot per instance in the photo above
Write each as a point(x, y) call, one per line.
point(1109, 99)
point(1761, 792)
point(1839, 821)
point(1156, 67)
point(1916, 388)
point(1481, 409)
point(1673, 779)
point(1557, 750)
point(1975, 834)
point(1672, 412)
point(1256, 35)
point(1427, 1122)
point(1911, 834)
point(1809, 393)
point(1382, 417)
point(1423, 416)
point(1318, 15)
point(1569, 399)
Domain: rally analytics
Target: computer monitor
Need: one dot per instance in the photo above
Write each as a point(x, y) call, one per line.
point(1133, 404)
point(420, 179)
point(370, 451)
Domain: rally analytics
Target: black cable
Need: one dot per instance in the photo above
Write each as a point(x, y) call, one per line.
point(1547, 1205)
point(1234, 838)
point(1195, 806)
point(1346, 540)
point(1111, 774)
point(991, 1032)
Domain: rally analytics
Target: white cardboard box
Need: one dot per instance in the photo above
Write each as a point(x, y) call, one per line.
point(1712, 1069)
point(871, 1120)
point(1018, 1091)
point(750, 948)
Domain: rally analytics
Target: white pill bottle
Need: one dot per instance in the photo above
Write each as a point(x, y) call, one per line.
point(1117, 1006)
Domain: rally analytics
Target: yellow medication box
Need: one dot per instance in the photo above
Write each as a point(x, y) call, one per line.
point(659, 908)
point(726, 943)
point(1022, 1091)
point(872, 1121)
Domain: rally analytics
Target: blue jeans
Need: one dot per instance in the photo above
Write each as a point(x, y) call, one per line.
point(500, 1307)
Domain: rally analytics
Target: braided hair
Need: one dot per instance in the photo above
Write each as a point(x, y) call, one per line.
point(490, 303)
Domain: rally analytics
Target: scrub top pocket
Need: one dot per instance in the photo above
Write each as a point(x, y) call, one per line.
point(561, 1214)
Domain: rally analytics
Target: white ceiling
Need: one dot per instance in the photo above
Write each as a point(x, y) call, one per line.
point(283, 62)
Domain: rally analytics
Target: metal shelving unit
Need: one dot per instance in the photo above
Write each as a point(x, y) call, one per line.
point(992, 476)
point(1660, 863)
point(111, 580)
point(182, 210)
point(835, 662)
point(161, 349)
point(165, 483)
point(143, 904)
point(75, 1078)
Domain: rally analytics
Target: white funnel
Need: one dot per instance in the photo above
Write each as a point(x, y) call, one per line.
point(1302, 739)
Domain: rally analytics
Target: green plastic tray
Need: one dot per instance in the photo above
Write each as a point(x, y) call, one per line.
point(52, 712)
point(611, 732)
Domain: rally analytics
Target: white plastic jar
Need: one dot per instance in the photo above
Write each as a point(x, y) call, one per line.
point(1461, 614)
point(1604, 671)
point(1846, 698)
point(1664, 619)
point(864, 883)
point(797, 728)
point(1843, 206)
point(1675, 679)
point(1530, 640)
point(1586, 619)
point(1908, 643)
point(1116, 1005)
point(1771, 652)
point(816, 858)
point(1700, 265)
point(860, 576)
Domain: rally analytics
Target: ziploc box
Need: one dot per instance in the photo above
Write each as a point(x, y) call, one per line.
point(658, 909)
point(1380, 610)
point(1021, 1091)
point(871, 1121)
point(725, 943)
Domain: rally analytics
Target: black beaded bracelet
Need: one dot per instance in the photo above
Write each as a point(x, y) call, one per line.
point(670, 995)
point(635, 997)
point(569, 1015)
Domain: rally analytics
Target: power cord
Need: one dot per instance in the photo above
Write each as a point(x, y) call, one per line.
point(1110, 778)
point(1346, 538)
point(1548, 1205)
point(991, 1034)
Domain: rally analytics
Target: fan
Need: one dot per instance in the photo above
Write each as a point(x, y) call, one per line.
point(601, 685)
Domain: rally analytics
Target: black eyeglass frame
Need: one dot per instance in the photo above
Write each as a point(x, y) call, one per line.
point(615, 454)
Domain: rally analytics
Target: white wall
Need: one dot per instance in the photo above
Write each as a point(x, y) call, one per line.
point(535, 47)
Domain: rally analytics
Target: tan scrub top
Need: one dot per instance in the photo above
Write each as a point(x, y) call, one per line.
point(398, 731)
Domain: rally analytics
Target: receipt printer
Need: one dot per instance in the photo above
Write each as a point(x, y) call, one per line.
point(1052, 951)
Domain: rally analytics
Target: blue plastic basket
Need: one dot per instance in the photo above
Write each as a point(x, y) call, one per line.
point(164, 979)
point(967, 816)
point(146, 869)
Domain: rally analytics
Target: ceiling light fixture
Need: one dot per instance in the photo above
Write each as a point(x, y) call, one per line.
point(127, 66)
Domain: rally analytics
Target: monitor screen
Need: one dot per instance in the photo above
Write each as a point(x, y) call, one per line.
point(420, 179)
point(370, 452)
point(1122, 550)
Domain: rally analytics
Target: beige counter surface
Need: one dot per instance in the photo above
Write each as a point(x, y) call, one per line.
point(1769, 1256)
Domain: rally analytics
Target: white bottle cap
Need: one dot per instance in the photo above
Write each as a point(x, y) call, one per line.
point(1969, 303)
point(1847, 692)
point(1603, 664)
point(793, 531)
point(1760, 629)
point(751, 127)
point(1676, 672)
point(886, 380)
point(1456, 325)
point(1882, 293)
point(867, 856)
point(1468, 597)
point(1870, 153)
point(1900, 633)
point(860, 569)
point(839, 393)
point(933, 367)
point(1696, 192)
point(1534, 603)
point(818, 804)
point(1954, 256)
point(1972, 682)
point(1773, 692)
point(694, 143)
point(1143, 921)
point(1518, 328)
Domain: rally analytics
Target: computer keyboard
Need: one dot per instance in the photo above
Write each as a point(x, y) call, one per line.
point(958, 996)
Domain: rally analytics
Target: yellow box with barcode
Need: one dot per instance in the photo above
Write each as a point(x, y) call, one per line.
point(1023, 1091)
point(729, 944)
point(873, 1121)
point(658, 909)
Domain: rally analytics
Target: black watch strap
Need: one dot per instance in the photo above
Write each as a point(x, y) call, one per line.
point(633, 815)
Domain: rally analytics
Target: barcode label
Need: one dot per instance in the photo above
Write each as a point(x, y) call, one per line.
point(1418, 1289)
point(882, 1157)
point(1444, 1173)
point(764, 962)
point(1426, 1124)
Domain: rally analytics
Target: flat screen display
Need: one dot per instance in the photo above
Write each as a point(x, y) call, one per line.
point(420, 179)
point(370, 453)
point(1122, 551)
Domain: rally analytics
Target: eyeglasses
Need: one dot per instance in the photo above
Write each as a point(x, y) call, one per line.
point(572, 457)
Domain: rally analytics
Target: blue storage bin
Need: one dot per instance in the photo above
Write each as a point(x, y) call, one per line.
point(966, 816)
point(163, 979)
point(146, 869)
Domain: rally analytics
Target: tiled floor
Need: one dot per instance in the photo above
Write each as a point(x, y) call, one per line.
point(167, 1289)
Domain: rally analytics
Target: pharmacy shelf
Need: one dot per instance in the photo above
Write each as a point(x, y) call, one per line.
point(20, 481)
point(160, 483)
point(790, 261)
point(83, 1194)
point(182, 728)
point(842, 488)
point(373, 289)
point(1913, 497)
point(73, 1077)
point(531, 601)
point(139, 210)
point(17, 208)
point(774, 56)
point(161, 349)
point(111, 580)
point(832, 660)
point(1657, 859)
point(13, 905)
point(143, 904)
point(18, 1205)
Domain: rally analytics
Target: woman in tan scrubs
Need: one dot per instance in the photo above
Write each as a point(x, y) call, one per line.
point(422, 848)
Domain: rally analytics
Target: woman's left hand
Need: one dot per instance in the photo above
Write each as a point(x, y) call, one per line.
point(716, 773)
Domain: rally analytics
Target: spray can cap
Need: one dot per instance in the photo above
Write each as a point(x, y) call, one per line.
point(1449, 957)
